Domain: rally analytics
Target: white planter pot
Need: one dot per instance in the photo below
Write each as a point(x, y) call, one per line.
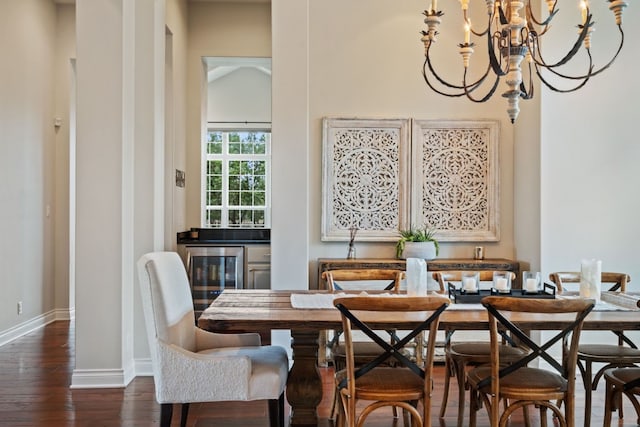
point(424, 250)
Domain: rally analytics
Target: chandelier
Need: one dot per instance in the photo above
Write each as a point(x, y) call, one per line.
point(514, 42)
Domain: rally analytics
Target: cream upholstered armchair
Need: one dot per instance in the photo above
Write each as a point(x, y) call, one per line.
point(193, 365)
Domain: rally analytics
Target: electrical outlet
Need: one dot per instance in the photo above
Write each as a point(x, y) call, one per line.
point(19, 307)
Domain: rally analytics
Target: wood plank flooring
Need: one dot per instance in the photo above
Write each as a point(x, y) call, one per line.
point(35, 373)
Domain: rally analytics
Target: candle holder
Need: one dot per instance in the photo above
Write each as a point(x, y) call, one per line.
point(531, 282)
point(470, 282)
point(502, 282)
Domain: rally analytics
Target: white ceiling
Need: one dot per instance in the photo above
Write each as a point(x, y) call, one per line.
point(221, 66)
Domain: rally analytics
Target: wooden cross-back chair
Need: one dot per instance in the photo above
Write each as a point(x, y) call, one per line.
point(624, 353)
point(517, 384)
point(621, 381)
point(358, 279)
point(461, 355)
point(402, 386)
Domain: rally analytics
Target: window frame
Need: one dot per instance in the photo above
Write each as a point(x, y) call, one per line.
point(226, 157)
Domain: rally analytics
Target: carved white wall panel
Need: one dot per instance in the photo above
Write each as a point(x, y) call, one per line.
point(455, 173)
point(365, 178)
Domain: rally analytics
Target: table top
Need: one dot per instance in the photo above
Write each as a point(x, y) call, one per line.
point(242, 310)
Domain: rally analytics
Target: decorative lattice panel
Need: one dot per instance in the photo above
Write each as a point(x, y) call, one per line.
point(455, 179)
point(365, 178)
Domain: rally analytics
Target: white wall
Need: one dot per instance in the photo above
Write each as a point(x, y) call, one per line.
point(121, 90)
point(64, 54)
point(242, 95)
point(589, 156)
point(364, 60)
point(175, 111)
point(27, 161)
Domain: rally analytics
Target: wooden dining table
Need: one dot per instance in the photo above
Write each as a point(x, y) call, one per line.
point(266, 310)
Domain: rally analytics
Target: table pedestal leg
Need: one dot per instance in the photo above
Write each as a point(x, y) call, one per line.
point(304, 386)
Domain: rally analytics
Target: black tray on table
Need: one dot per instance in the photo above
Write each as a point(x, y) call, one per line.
point(459, 296)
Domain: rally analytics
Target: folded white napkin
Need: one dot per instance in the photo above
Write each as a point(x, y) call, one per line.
point(314, 300)
point(325, 301)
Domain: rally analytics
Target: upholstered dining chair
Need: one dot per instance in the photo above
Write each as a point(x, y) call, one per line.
point(193, 365)
point(361, 279)
point(464, 354)
point(621, 381)
point(403, 386)
point(620, 354)
point(517, 384)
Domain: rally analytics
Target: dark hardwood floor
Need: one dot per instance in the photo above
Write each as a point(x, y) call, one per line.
point(36, 373)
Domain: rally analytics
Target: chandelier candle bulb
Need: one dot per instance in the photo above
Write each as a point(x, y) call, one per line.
point(585, 8)
point(467, 32)
point(434, 5)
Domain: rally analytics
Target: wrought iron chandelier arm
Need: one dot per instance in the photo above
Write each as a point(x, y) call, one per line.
point(476, 33)
point(555, 89)
point(532, 18)
point(493, 59)
point(527, 94)
point(608, 64)
point(540, 62)
point(471, 87)
point(487, 96)
point(451, 86)
point(439, 92)
point(533, 42)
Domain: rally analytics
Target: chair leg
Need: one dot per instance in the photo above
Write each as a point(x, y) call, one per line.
point(334, 406)
point(447, 380)
point(166, 411)
point(588, 391)
point(609, 405)
point(461, 376)
point(276, 411)
point(473, 407)
point(184, 415)
point(525, 414)
point(543, 416)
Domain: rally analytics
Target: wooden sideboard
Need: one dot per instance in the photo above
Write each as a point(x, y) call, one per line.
point(438, 264)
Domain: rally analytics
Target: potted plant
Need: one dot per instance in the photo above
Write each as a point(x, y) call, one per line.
point(417, 243)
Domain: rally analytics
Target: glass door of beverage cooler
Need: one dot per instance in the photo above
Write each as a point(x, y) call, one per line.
point(212, 270)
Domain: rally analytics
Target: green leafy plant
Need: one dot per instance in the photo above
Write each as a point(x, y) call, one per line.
point(415, 234)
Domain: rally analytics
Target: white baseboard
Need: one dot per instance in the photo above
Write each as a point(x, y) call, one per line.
point(110, 378)
point(143, 367)
point(98, 378)
point(31, 325)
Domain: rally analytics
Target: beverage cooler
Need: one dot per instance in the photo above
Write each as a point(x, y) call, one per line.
point(211, 270)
